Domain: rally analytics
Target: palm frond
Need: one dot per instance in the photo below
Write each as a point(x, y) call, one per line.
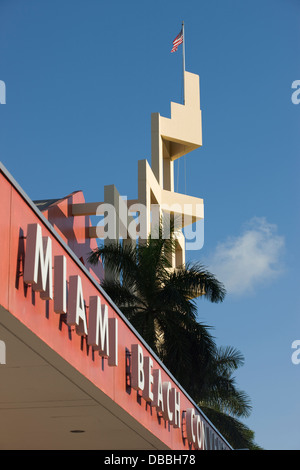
point(235, 431)
point(194, 280)
point(121, 294)
point(119, 259)
point(229, 358)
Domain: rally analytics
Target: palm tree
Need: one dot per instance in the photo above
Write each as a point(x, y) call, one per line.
point(157, 300)
point(160, 303)
point(222, 402)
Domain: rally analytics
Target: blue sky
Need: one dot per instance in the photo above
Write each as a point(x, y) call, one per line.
point(82, 79)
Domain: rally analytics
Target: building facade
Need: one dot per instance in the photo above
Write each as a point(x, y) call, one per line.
point(74, 372)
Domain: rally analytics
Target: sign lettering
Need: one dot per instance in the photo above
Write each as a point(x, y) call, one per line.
point(102, 335)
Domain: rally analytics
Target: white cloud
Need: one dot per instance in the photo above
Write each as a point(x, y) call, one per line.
point(248, 261)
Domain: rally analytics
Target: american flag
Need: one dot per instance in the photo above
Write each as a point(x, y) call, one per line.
point(178, 40)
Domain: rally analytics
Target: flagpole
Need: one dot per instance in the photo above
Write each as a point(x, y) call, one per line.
point(183, 59)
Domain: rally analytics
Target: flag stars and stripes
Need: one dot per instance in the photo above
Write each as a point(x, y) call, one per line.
point(177, 41)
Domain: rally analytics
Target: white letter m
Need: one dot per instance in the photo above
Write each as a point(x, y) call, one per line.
point(38, 261)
